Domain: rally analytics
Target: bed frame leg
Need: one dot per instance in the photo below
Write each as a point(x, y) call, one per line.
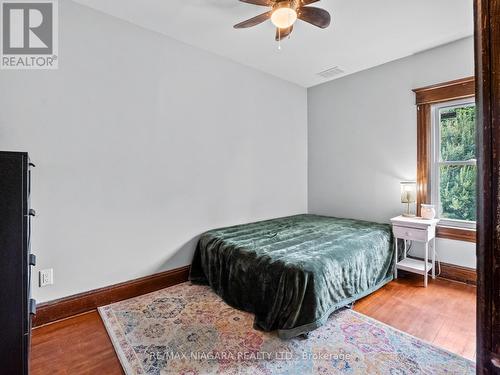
point(350, 305)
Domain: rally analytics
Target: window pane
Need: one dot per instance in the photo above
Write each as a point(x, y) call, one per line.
point(458, 192)
point(458, 133)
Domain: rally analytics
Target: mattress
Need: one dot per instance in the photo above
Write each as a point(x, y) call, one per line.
point(293, 272)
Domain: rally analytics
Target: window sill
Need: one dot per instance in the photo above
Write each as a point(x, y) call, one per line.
point(458, 234)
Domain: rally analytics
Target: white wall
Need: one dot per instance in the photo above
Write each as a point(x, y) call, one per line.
point(362, 138)
point(141, 144)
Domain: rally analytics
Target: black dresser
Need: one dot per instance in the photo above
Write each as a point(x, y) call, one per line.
point(16, 304)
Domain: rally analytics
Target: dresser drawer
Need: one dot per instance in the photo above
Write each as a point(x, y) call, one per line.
point(414, 234)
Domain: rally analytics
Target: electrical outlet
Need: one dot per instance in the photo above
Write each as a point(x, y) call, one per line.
point(46, 277)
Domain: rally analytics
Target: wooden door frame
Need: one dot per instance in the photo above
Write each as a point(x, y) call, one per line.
point(487, 66)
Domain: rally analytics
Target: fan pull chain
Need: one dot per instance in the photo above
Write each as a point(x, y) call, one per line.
point(279, 38)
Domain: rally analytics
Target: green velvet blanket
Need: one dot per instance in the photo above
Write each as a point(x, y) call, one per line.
point(293, 272)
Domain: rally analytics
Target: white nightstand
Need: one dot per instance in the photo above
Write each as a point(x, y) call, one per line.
point(420, 230)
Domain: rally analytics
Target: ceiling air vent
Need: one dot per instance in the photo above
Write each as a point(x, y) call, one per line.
point(332, 72)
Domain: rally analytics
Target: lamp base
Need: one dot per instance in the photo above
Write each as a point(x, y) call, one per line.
point(408, 215)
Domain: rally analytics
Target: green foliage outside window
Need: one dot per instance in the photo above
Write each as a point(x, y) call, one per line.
point(458, 181)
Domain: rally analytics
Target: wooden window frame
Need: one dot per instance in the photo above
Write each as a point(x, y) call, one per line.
point(425, 97)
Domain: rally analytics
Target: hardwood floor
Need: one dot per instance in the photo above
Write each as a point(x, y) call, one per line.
point(77, 345)
point(443, 314)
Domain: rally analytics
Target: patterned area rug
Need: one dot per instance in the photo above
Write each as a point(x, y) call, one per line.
point(188, 329)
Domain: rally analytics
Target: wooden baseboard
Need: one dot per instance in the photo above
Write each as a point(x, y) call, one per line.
point(79, 303)
point(456, 273)
point(51, 311)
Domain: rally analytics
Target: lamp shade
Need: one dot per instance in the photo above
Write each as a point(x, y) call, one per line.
point(408, 191)
point(283, 17)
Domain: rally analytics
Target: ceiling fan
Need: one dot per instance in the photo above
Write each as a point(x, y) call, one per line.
point(284, 13)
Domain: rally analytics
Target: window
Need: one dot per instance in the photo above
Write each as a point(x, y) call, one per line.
point(446, 156)
point(453, 162)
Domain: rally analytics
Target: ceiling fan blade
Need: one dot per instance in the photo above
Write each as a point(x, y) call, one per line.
point(265, 3)
point(315, 16)
point(254, 21)
point(307, 2)
point(283, 33)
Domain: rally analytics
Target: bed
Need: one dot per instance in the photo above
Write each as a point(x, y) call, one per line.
point(293, 272)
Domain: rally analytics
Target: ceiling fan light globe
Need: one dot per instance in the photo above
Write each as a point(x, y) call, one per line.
point(284, 17)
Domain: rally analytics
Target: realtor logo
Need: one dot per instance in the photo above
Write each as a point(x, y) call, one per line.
point(29, 34)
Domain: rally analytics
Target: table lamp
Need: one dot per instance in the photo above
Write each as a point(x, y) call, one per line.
point(408, 195)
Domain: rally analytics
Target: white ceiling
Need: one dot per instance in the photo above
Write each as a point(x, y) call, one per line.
point(363, 33)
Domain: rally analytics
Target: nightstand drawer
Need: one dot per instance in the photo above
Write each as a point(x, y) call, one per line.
point(414, 234)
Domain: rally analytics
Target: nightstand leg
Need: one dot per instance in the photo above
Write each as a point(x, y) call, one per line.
point(395, 258)
point(434, 258)
point(406, 249)
point(426, 258)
